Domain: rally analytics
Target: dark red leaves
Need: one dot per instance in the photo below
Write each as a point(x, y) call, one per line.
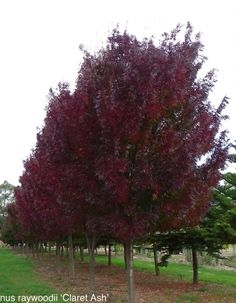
point(120, 155)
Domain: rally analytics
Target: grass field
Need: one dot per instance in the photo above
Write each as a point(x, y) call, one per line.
point(182, 271)
point(18, 278)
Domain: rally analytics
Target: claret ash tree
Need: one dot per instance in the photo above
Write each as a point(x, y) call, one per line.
point(137, 145)
point(157, 147)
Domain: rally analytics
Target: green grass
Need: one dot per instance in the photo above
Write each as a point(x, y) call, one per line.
point(182, 271)
point(18, 278)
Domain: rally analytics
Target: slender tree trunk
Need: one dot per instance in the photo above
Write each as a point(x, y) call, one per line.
point(49, 249)
point(58, 258)
point(41, 250)
point(157, 270)
point(91, 243)
point(46, 247)
point(23, 247)
point(130, 271)
point(72, 260)
point(37, 250)
point(109, 254)
point(27, 248)
point(67, 251)
point(195, 265)
point(62, 249)
point(105, 248)
point(125, 258)
point(33, 249)
point(81, 253)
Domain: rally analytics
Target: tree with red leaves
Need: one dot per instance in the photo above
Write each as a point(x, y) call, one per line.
point(147, 124)
point(137, 146)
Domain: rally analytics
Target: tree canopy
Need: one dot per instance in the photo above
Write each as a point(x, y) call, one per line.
point(135, 148)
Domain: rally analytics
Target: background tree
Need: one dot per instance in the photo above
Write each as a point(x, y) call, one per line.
point(6, 197)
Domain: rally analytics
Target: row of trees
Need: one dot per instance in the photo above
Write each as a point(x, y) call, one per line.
point(132, 151)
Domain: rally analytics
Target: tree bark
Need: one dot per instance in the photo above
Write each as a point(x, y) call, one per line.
point(62, 249)
point(33, 249)
point(27, 248)
point(195, 265)
point(81, 253)
point(157, 270)
point(130, 272)
point(49, 249)
point(37, 249)
point(41, 250)
point(125, 259)
point(58, 258)
point(71, 255)
point(23, 247)
point(109, 254)
point(91, 243)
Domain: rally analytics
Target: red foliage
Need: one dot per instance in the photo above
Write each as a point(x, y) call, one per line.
point(123, 151)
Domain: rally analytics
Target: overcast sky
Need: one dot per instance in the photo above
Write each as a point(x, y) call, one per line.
point(39, 47)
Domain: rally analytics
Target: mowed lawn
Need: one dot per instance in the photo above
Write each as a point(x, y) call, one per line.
point(181, 271)
point(18, 278)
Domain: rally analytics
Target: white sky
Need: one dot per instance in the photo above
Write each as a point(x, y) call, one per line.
point(39, 46)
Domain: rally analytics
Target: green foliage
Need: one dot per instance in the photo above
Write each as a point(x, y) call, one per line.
point(6, 196)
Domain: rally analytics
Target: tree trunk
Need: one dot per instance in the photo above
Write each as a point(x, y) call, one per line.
point(91, 243)
point(130, 271)
point(67, 251)
point(125, 259)
point(45, 247)
point(109, 254)
point(37, 249)
point(81, 253)
point(49, 249)
point(27, 248)
point(58, 258)
point(71, 255)
point(33, 249)
point(23, 247)
point(157, 270)
point(41, 250)
point(105, 249)
point(195, 265)
point(62, 249)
